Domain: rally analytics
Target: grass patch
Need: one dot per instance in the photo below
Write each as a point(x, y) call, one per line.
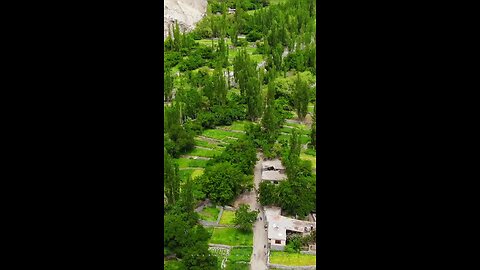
point(240, 125)
point(227, 217)
point(221, 134)
point(304, 139)
point(173, 265)
point(231, 237)
point(209, 230)
point(219, 252)
point(300, 130)
point(204, 152)
point(311, 158)
point(239, 254)
point(311, 152)
point(292, 259)
point(209, 214)
point(190, 162)
point(238, 266)
point(196, 173)
point(203, 143)
point(184, 174)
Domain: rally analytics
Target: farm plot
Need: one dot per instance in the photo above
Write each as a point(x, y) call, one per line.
point(221, 254)
point(173, 265)
point(193, 173)
point(292, 259)
point(231, 237)
point(209, 214)
point(208, 144)
point(239, 258)
point(239, 125)
point(201, 152)
point(301, 131)
point(190, 163)
point(304, 139)
point(222, 135)
point(227, 217)
point(313, 159)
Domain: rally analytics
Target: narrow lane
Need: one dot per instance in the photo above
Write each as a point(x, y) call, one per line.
point(259, 258)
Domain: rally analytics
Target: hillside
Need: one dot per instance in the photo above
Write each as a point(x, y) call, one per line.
point(186, 12)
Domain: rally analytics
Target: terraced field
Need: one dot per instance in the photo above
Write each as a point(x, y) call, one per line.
point(227, 217)
point(210, 143)
point(239, 257)
point(231, 237)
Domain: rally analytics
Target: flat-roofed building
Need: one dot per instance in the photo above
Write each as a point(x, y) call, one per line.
point(278, 225)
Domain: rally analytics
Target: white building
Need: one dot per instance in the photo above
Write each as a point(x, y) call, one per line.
point(278, 226)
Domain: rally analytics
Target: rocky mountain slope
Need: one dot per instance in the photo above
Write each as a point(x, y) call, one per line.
point(186, 12)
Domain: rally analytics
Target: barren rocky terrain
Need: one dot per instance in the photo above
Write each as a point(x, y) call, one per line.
point(186, 12)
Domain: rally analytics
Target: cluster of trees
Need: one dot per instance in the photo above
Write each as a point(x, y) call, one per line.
point(297, 194)
point(244, 218)
point(188, 240)
point(295, 242)
point(231, 173)
point(177, 140)
point(183, 236)
point(265, 134)
point(249, 80)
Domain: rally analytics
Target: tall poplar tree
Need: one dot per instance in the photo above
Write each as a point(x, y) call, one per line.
point(171, 178)
point(301, 97)
point(168, 85)
point(313, 134)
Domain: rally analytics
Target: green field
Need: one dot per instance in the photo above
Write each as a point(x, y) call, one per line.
point(173, 265)
point(204, 152)
point(311, 152)
point(310, 158)
point(292, 259)
point(196, 173)
point(301, 131)
point(209, 214)
point(221, 134)
point(239, 125)
point(238, 266)
point(212, 145)
point(304, 139)
point(184, 174)
point(231, 237)
point(240, 254)
point(227, 217)
point(221, 253)
point(190, 162)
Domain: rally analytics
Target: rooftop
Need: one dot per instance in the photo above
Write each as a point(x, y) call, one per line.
point(276, 164)
point(273, 175)
point(278, 224)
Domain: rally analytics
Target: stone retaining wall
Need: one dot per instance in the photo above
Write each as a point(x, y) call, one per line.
point(311, 252)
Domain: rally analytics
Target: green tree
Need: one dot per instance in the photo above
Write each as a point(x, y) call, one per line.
point(292, 159)
point(222, 182)
point(245, 218)
point(313, 134)
point(171, 179)
point(187, 201)
point(253, 94)
point(271, 120)
point(301, 97)
point(168, 85)
point(200, 258)
point(219, 86)
point(268, 194)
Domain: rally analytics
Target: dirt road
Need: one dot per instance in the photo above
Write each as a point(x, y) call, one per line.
point(259, 258)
